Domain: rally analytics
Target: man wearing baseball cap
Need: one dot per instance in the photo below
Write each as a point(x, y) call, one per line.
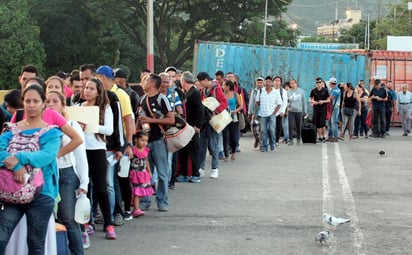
point(335, 95)
point(251, 110)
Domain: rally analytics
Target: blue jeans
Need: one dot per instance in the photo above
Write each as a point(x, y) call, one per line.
point(38, 214)
point(158, 158)
point(110, 183)
point(68, 184)
point(285, 127)
point(334, 123)
point(209, 139)
point(268, 126)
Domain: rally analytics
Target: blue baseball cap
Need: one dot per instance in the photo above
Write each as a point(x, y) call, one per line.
point(106, 71)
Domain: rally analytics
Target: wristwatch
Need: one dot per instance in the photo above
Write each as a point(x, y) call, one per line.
point(130, 144)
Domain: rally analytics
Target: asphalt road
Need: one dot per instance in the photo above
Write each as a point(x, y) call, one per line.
point(272, 203)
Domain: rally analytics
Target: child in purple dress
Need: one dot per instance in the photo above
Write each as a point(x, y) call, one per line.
point(140, 175)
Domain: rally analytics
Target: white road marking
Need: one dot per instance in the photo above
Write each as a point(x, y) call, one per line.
point(349, 202)
point(327, 202)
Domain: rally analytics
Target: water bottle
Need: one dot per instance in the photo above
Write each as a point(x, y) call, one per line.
point(82, 209)
point(145, 126)
point(124, 166)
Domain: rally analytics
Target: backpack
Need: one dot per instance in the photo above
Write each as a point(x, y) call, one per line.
point(10, 190)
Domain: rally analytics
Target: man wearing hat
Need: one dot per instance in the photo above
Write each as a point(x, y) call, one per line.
point(251, 109)
point(378, 96)
point(120, 78)
point(335, 95)
point(208, 136)
point(106, 75)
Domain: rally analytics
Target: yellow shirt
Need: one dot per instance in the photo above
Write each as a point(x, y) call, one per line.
point(124, 100)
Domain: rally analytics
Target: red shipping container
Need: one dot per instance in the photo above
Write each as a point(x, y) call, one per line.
point(395, 66)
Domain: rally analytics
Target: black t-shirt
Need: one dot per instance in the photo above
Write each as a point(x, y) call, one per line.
point(160, 107)
point(318, 95)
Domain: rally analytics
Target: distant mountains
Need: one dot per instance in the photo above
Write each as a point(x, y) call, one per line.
point(310, 13)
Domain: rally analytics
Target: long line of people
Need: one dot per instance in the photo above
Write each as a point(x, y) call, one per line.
point(337, 110)
point(130, 125)
point(88, 162)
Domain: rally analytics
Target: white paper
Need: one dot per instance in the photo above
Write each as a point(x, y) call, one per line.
point(88, 115)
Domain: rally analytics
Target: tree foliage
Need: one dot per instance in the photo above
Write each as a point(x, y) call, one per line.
point(396, 23)
point(75, 32)
point(19, 41)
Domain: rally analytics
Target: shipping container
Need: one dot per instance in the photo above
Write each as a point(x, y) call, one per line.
point(251, 61)
point(395, 66)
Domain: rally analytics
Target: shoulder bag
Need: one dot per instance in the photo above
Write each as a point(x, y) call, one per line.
point(178, 135)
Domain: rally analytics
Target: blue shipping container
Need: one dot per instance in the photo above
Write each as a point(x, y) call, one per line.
point(251, 61)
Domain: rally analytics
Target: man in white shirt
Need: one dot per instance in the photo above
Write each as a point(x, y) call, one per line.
point(251, 109)
point(269, 103)
point(403, 104)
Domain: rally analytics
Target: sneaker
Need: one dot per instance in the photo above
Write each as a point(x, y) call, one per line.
point(89, 229)
point(110, 234)
point(214, 174)
point(172, 187)
point(163, 208)
point(238, 149)
point(118, 219)
point(201, 172)
point(85, 240)
point(182, 178)
point(137, 213)
point(256, 144)
point(277, 144)
point(387, 134)
point(290, 143)
point(221, 155)
point(298, 142)
point(98, 219)
point(195, 179)
point(127, 215)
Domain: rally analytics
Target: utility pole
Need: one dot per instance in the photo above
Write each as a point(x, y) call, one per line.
point(149, 35)
point(379, 11)
point(264, 25)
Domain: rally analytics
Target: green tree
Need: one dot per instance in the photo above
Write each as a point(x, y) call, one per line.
point(395, 23)
point(278, 33)
point(178, 24)
point(74, 33)
point(19, 41)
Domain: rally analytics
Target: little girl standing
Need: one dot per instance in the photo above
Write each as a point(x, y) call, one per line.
point(140, 175)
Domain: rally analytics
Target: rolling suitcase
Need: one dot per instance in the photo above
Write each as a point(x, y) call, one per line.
point(308, 132)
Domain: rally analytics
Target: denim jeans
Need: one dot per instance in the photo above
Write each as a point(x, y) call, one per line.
point(110, 183)
point(268, 126)
point(285, 127)
point(230, 135)
point(68, 184)
point(209, 139)
point(158, 158)
point(38, 214)
point(295, 121)
point(334, 123)
point(360, 123)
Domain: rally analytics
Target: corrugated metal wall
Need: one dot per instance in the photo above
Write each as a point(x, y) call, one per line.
point(251, 61)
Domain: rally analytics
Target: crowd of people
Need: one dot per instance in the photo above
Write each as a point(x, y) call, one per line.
point(131, 122)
